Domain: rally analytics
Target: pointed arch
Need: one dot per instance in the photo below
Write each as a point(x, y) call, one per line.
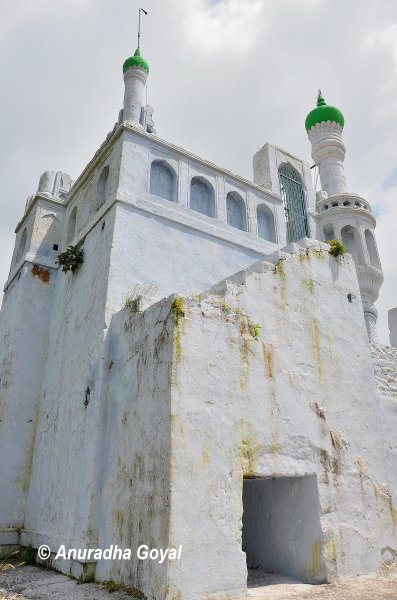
point(101, 194)
point(328, 232)
point(236, 211)
point(293, 195)
point(349, 240)
point(50, 232)
point(163, 180)
point(372, 249)
point(202, 196)
point(22, 245)
point(265, 223)
point(71, 225)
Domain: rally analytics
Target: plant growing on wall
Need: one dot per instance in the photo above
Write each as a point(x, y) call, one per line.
point(337, 249)
point(71, 258)
point(255, 329)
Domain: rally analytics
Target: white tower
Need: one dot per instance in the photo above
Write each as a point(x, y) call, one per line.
point(342, 215)
point(135, 70)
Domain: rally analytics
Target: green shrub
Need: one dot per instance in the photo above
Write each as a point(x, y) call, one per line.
point(71, 258)
point(337, 249)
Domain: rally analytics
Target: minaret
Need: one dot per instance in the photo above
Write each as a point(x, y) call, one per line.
point(324, 125)
point(135, 70)
point(340, 214)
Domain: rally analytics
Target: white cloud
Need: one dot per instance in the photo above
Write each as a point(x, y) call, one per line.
point(230, 25)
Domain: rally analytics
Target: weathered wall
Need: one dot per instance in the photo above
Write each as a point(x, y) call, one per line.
point(385, 365)
point(142, 254)
point(68, 431)
point(133, 482)
point(244, 405)
point(23, 336)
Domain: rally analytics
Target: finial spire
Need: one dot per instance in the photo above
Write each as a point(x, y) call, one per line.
point(320, 99)
point(139, 23)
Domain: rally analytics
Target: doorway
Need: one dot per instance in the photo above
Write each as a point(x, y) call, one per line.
point(281, 527)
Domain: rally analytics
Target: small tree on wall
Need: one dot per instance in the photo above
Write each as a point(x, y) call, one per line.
point(71, 258)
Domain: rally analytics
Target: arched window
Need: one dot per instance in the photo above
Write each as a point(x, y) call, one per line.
point(349, 241)
point(85, 209)
point(50, 230)
point(162, 180)
point(328, 232)
point(372, 249)
point(265, 221)
point(293, 196)
point(235, 208)
point(202, 197)
point(22, 245)
point(102, 187)
point(72, 225)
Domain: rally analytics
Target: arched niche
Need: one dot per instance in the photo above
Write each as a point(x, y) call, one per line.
point(22, 245)
point(349, 240)
point(372, 249)
point(50, 233)
point(202, 196)
point(71, 225)
point(265, 221)
point(163, 180)
point(328, 232)
point(236, 211)
point(101, 194)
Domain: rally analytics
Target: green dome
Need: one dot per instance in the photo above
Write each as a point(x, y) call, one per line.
point(323, 112)
point(136, 61)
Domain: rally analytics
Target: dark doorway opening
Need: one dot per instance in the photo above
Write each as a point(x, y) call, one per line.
point(281, 527)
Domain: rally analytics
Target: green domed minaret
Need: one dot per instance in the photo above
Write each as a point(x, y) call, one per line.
point(323, 112)
point(136, 61)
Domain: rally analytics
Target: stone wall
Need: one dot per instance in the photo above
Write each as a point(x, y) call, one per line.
point(385, 365)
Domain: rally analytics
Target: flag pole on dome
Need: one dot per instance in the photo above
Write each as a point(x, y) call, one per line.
point(139, 22)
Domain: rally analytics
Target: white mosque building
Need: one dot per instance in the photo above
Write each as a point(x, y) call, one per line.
point(202, 371)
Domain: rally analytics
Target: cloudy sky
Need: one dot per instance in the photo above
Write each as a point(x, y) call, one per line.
point(226, 77)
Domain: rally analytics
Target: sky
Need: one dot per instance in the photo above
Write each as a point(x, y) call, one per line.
point(226, 76)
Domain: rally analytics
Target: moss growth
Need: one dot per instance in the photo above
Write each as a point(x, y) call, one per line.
point(268, 361)
point(255, 329)
point(330, 549)
point(28, 555)
point(281, 274)
point(224, 306)
point(177, 308)
point(249, 448)
point(111, 587)
point(315, 562)
point(309, 285)
point(132, 304)
point(316, 347)
point(337, 249)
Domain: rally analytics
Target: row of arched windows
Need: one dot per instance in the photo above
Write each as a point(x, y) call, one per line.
point(87, 206)
point(350, 240)
point(163, 183)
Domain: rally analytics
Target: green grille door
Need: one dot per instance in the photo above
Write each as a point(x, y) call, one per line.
point(294, 203)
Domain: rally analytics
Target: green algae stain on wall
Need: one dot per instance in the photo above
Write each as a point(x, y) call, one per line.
point(178, 313)
point(249, 448)
point(279, 270)
point(268, 359)
point(316, 345)
point(314, 567)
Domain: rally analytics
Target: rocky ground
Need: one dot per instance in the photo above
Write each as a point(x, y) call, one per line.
point(34, 583)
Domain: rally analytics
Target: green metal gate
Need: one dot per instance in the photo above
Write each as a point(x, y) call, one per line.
point(293, 197)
